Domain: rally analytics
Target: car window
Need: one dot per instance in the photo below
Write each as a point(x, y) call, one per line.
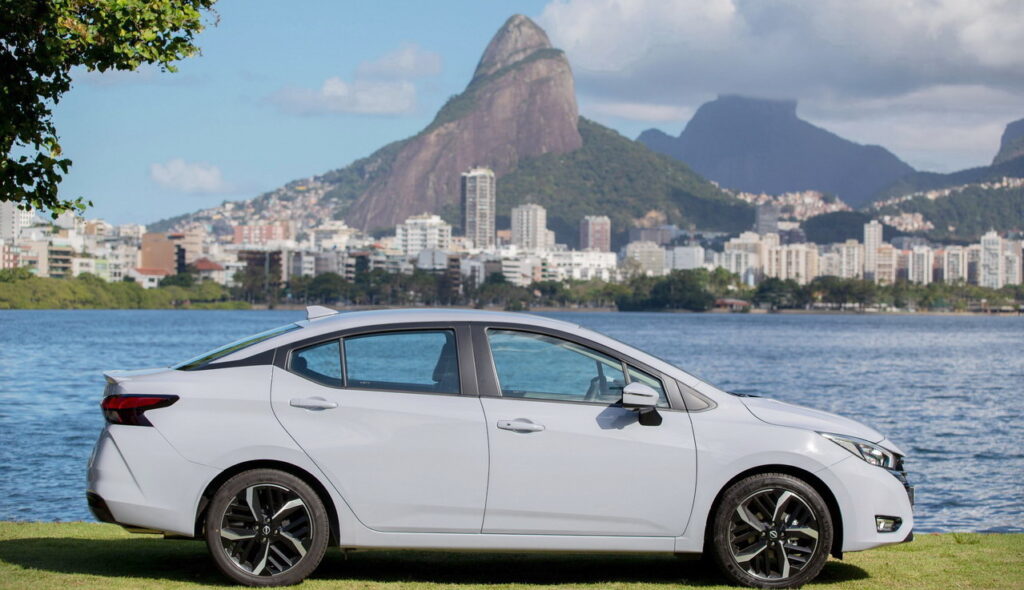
point(652, 381)
point(216, 353)
point(424, 361)
point(320, 363)
point(536, 366)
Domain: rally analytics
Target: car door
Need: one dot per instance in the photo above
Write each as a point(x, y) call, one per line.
point(566, 458)
point(393, 420)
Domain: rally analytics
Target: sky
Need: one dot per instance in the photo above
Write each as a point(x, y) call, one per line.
point(286, 91)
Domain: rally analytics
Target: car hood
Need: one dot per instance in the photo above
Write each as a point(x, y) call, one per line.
point(783, 414)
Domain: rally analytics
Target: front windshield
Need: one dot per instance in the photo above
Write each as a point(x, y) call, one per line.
point(209, 357)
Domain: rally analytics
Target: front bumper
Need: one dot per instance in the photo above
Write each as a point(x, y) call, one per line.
point(865, 492)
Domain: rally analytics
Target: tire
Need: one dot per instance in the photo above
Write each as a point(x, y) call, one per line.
point(771, 530)
point(254, 547)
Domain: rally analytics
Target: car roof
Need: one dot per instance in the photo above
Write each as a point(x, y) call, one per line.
point(393, 317)
point(384, 317)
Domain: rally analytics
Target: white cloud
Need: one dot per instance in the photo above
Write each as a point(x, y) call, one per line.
point(845, 61)
point(339, 96)
point(381, 86)
point(189, 177)
point(408, 61)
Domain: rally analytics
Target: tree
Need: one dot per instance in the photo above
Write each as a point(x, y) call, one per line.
point(42, 40)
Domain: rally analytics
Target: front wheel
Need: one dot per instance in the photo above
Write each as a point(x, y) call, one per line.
point(771, 530)
point(266, 527)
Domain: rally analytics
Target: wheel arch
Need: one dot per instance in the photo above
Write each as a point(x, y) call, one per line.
point(802, 474)
point(309, 478)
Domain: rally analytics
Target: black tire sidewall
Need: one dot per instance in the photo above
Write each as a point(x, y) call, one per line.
point(318, 515)
point(719, 537)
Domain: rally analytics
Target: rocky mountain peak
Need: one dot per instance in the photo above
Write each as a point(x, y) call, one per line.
point(521, 103)
point(1012, 144)
point(517, 39)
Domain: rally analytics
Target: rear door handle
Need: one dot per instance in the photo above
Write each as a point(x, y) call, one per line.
point(520, 425)
point(312, 403)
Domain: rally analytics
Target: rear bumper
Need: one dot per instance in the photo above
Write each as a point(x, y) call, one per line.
point(160, 490)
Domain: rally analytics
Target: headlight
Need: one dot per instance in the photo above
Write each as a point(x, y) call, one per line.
point(868, 451)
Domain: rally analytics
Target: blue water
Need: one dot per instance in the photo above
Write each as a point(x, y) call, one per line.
point(948, 389)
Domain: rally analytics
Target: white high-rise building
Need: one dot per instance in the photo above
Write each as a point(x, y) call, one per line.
point(851, 259)
point(596, 233)
point(685, 258)
point(649, 255)
point(530, 227)
point(479, 194)
point(953, 261)
point(1012, 262)
point(12, 220)
point(792, 261)
point(919, 269)
point(886, 264)
point(421, 232)
point(741, 262)
point(872, 241)
point(991, 267)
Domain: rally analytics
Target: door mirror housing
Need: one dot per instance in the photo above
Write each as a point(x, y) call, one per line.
point(639, 396)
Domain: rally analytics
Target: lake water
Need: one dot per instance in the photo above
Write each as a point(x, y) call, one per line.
point(947, 389)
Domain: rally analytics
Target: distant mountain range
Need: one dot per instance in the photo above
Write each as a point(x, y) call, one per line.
point(759, 145)
point(518, 115)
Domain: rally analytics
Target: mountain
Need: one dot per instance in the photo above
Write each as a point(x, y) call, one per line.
point(1012, 144)
point(518, 116)
point(926, 181)
point(521, 102)
point(966, 212)
point(760, 145)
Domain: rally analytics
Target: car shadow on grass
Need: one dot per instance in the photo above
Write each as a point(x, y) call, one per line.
point(188, 561)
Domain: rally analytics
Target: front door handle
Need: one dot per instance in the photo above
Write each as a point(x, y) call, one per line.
point(312, 403)
point(520, 425)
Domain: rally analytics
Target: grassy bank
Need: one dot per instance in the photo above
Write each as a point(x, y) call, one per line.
point(81, 555)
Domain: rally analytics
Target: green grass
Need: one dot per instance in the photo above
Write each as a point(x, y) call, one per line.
point(81, 555)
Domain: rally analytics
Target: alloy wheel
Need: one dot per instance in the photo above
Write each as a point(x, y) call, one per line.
point(773, 534)
point(266, 529)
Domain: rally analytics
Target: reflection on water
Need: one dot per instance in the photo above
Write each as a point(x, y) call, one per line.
point(947, 389)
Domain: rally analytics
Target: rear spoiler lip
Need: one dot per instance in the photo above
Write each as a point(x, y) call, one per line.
point(117, 376)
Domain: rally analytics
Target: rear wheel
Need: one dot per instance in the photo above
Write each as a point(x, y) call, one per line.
point(265, 527)
point(771, 530)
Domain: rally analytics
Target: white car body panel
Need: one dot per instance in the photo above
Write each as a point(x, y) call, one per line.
point(402, 461)
point(580, 475)
point(405, 470)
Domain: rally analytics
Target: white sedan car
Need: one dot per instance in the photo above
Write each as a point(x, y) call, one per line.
point(442, 429)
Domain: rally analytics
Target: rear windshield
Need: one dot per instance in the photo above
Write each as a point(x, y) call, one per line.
point(209, 357)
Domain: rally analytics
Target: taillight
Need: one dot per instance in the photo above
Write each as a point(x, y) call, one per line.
point(129, 409)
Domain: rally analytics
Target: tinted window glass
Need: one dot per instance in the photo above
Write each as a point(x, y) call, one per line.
point(320, 363)
point(652, 381)
point(535, 366)
point(421, 361)
point(216, 353)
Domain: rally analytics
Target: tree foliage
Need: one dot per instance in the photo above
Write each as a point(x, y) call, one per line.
point(42, 41)
point(19, 289)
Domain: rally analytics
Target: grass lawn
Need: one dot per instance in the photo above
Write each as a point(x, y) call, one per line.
point(83, 555)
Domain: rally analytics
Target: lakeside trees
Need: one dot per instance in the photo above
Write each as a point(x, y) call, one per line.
point(687, 290)
point(19, 289)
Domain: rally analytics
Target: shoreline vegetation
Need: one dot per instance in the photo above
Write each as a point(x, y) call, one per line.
point(103, 556)
point(680, 291)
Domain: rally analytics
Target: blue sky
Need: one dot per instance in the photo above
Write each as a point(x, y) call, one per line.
point(285, 91)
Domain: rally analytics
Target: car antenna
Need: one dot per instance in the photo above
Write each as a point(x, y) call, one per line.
point(318, 311)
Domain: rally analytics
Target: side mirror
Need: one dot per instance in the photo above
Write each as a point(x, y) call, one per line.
point(639, 396)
